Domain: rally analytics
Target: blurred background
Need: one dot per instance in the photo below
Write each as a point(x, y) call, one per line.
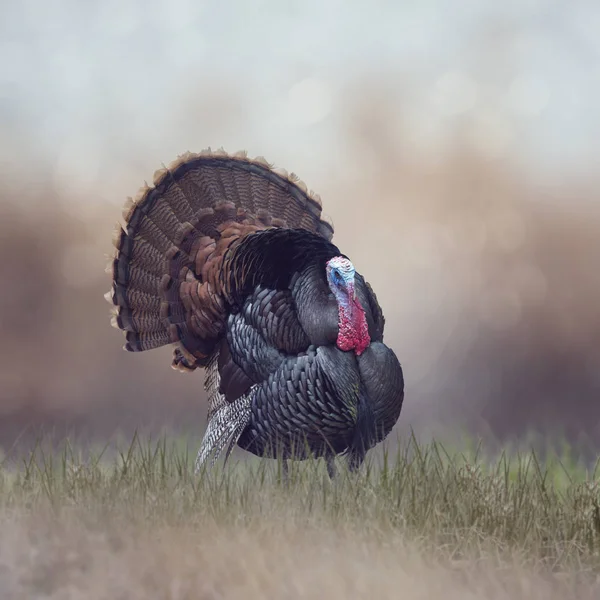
point(455, 146)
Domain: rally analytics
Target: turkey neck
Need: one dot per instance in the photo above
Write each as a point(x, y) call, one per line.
point(325, 317)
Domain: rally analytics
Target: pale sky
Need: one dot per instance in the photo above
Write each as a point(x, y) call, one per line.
point(87, 83)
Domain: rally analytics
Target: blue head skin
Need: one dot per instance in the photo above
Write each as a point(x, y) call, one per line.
point(340, 277)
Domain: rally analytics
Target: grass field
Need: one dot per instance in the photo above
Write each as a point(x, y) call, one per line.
point(424, 523)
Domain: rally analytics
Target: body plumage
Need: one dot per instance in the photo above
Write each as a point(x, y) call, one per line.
point(230, 261)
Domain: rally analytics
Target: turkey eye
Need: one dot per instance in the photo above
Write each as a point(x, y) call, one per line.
point(337, 278)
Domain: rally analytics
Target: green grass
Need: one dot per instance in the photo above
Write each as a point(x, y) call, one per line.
point(457, 509)
point(549, 510)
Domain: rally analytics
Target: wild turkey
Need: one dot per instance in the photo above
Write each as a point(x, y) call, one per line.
point(230, 261)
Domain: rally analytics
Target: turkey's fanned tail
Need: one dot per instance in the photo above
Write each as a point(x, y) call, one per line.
point(167, 277)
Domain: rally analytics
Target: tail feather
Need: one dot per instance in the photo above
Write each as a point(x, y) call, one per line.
point(132, 276)
point(121, 297)
point(243, 188)
point(141, 253)
point(136, 321)
point(174, 196)
point(155, 232)
point(140, 341)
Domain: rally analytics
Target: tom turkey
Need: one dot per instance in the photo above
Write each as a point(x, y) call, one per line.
point(230, 261)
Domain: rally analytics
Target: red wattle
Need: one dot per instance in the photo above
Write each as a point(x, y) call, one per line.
point(353, 329)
